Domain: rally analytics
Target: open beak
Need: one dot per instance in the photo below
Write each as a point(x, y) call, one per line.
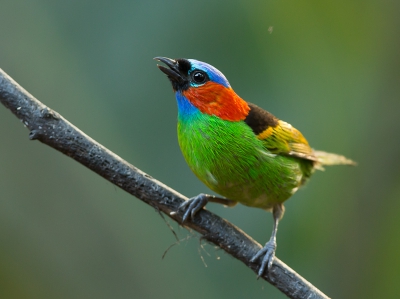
point(172, 72)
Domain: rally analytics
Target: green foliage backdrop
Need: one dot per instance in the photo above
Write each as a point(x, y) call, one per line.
point(330, 68)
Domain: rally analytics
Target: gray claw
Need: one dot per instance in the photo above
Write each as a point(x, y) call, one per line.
point(192, 206)
point(268, 251)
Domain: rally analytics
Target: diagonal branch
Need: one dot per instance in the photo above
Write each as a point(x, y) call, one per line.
point(52, 129)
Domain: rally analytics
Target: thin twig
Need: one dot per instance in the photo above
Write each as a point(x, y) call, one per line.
point(52, 129)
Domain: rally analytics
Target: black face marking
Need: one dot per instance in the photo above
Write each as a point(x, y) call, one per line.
point(259, 120)
point(178, 73)
point(184, 66)
point(180, 85)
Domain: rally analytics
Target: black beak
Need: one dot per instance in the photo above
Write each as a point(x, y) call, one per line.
point(173, 71)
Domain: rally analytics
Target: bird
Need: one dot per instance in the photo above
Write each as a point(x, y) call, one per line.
point(237, 149)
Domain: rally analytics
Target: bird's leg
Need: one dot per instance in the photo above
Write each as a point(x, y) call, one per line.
point(195, 204)
point(268, 251)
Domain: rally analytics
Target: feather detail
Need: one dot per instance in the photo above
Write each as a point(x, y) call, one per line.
point(325, 158)
point(286, 140)
point(215, 99)
point(278, 136)
point(260, 121)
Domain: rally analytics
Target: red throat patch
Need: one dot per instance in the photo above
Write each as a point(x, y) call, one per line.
point(215, 99)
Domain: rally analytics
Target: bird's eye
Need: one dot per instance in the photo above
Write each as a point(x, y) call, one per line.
point(199, 77)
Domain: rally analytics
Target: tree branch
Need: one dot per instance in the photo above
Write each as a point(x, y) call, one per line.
point(52, 129)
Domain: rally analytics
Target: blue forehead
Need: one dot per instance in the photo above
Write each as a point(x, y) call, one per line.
point(214, 74)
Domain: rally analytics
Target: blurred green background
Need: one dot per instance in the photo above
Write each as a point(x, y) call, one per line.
point(330, 68)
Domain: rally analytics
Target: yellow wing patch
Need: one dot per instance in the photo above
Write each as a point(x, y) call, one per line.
point(285, 139)
point(266, 133)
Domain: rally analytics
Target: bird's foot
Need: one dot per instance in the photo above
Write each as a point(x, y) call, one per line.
point(267, 253)
point(193, 205)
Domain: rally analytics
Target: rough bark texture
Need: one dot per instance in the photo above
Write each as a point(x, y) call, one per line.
point(52, 129)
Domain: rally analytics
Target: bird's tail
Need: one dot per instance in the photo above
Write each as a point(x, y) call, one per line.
point(324, 158)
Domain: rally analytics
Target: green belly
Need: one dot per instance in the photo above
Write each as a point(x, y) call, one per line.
point(230, 160)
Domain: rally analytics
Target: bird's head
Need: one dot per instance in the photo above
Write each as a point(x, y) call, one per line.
point(202, 86)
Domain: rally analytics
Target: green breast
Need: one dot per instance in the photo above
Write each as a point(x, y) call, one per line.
point(230, 160)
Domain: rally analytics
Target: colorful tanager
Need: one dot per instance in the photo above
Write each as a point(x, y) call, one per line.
point(236, 148)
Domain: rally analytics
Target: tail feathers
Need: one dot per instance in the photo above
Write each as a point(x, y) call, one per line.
point(324, 158)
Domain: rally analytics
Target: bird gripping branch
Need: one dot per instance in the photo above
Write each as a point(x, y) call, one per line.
point(236, 148)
